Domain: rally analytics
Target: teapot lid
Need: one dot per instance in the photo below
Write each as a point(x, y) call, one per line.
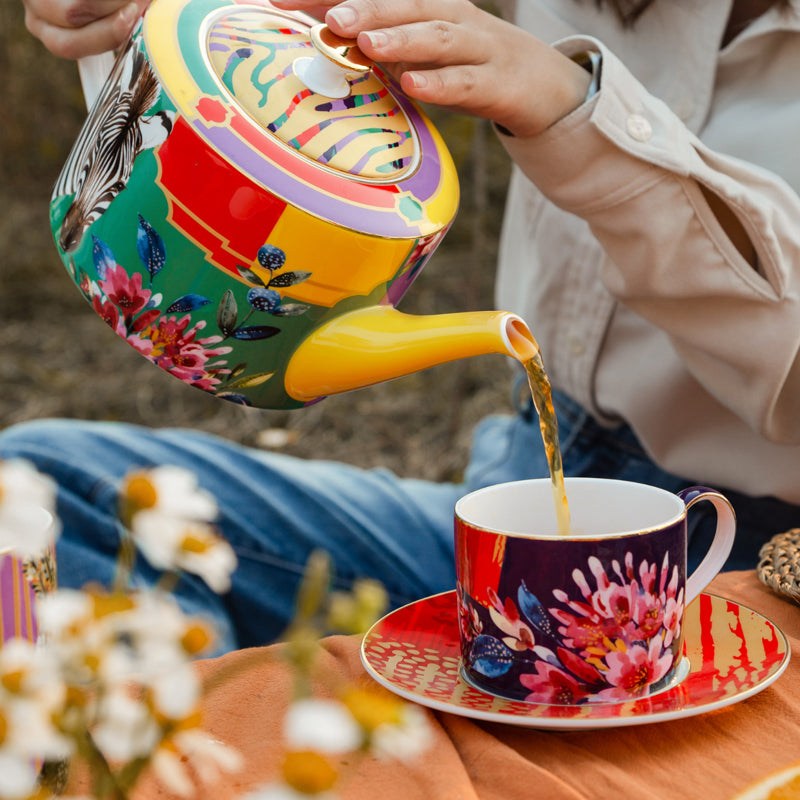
point(243, 75)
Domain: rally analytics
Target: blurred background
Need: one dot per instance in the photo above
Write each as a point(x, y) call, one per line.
point(59, 359)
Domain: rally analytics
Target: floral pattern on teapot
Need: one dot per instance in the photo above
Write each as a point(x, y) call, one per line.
point(173, 342)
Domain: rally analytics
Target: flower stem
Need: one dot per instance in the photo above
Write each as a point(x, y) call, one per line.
point(125, 561)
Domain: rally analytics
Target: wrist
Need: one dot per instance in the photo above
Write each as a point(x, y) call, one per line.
point(591, 62)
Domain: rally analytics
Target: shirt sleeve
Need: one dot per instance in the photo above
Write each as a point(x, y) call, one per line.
point(625, 163)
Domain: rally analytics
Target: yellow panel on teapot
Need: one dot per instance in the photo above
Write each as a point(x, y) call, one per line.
point(343, 263)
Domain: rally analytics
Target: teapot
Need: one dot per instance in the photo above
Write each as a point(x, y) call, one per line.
point(249, 199)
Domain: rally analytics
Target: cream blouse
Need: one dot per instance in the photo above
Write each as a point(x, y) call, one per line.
point(644, 309)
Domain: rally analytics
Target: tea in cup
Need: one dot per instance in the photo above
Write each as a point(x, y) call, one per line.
point(595, 616)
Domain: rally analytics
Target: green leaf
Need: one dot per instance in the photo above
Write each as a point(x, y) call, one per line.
point(250, 380)
point(289, 278)
point(227, 312)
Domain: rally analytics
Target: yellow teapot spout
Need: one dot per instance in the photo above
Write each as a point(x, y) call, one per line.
point(375, 344)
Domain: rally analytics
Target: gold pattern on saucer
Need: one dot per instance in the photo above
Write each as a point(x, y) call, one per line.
point(732, 651)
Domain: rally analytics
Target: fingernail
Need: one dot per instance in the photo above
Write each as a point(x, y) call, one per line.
point(343, 16)
point(419, 80)
point(129, 14)
point(377, 39)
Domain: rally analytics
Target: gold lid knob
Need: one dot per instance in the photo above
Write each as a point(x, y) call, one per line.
point(342, 52)
point(336, 58)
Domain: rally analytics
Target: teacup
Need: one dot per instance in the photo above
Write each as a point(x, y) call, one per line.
point(22, 582)
point(595, 616)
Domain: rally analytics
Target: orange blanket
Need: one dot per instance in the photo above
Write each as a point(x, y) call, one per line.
point(703, 757)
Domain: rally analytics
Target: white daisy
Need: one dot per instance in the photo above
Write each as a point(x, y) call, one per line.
point(325, 726)
point(125, 729)
point(28, 522)
point(95, 636)
point(171, 490)
point(175, 693)
point(17, 775)
point(170, 518)
point(207, 757)
point(171, 543)
point(405, 739)
point(32, 697)
point(395, 729)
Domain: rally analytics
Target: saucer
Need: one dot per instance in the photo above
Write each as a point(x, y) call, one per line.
point(732, 652)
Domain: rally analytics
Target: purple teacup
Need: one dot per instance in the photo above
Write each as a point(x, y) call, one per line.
point(593, 616)
point(22, 581)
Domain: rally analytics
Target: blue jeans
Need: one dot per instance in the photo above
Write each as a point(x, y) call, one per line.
point(276, 509)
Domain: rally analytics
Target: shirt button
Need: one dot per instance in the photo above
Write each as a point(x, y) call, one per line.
point(639, 128)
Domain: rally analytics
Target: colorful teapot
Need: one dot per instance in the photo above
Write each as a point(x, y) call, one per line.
point(250, 198)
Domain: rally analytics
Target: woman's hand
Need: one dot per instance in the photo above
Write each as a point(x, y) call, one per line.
point(77, 28)
point(451, 53)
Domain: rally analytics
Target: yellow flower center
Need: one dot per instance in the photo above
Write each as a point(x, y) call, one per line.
point(92, 662)
point(76, 697)
point(105, 604)
point(370, 709)
point(3, 729)
point(139, 491)
point(196, 639)
point(12, 681)
point(196, 543)
point(172, 725)
point(308, 772)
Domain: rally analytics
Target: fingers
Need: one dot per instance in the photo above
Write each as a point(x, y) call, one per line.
point(316, 8)
point(431, 43)
point(352, 16)
point(446, 52)
point(411, 31)
point(77, 28)
point(458, 87)
point(73, 13)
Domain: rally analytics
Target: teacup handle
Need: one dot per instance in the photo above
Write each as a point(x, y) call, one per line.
point(721, 545)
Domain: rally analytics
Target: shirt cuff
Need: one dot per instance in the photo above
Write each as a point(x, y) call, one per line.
point(612, 144)
point(592, 62)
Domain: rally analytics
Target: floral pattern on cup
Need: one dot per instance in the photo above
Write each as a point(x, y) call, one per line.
point(614, 640)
